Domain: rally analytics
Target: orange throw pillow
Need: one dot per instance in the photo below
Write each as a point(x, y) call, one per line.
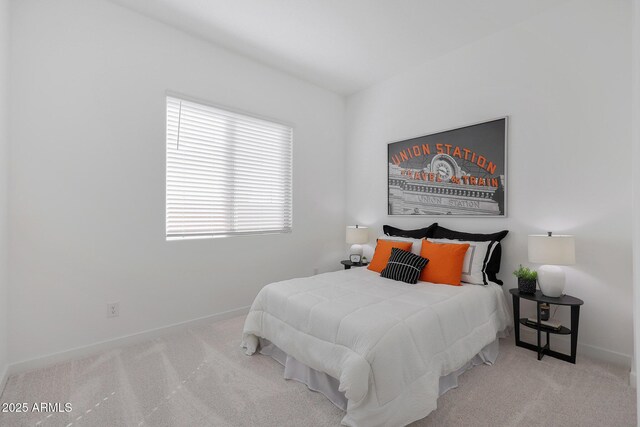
point(383, 253)
point(445, 262)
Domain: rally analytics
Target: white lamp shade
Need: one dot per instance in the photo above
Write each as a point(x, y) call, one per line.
point(557, 249)
point(357, 235)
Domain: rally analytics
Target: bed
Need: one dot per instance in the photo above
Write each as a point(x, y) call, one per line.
point(386, 348)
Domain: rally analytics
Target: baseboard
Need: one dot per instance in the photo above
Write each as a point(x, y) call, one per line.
point(4, 376)
point(605, 355)
point(594, 352)
point(88, 350)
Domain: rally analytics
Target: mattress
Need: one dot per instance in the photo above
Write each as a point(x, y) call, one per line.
point(386, 343)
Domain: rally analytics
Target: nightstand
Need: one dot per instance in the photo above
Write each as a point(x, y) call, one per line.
point(566, 300)
point(348, 264)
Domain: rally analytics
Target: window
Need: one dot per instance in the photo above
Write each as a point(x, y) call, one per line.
point(227, 173)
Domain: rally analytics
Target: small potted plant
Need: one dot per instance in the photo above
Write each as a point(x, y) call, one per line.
point(526, 279)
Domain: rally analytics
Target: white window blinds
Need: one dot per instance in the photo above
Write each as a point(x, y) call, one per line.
point(227, 173)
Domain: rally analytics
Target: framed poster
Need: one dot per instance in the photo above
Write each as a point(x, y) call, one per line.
point(461, 172)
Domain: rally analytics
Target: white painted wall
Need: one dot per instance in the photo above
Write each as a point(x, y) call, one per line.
point(4, 176)
point(563, 77)
point(636, 190)
point(88, 170)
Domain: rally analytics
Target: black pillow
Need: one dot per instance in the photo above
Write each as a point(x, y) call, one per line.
point(445, 233)
point(404, 266)
point(493, 266)
point(420, 233)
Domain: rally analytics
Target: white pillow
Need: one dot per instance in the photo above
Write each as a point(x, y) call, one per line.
point(415, 248)
point(475, 260)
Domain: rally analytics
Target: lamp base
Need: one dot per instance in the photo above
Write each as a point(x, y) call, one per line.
point(356, 250)
point(551, 279)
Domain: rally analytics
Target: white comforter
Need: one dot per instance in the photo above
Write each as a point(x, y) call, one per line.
point(387, 342)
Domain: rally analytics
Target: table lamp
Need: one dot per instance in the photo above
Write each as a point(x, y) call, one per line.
point(357, 236)
point(552, 250)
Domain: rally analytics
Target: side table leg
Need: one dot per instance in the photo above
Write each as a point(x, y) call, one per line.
point(538, 330)
point(516, 318)
point(548, 343)
point(575, 320)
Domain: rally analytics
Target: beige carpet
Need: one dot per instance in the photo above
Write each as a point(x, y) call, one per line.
point(201, 378)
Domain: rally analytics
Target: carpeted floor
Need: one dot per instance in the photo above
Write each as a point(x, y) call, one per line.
point(201, 378)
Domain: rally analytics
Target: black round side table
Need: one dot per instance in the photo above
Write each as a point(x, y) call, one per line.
point(566, 300)
point(348, 264)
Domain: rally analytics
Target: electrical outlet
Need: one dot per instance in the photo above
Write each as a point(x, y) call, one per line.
point(113, 309)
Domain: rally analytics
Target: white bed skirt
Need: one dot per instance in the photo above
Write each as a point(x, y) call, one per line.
point(328, 386)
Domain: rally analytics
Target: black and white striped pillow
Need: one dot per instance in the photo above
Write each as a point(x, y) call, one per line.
point(404, 266)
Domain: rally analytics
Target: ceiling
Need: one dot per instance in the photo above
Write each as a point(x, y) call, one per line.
point(341, 45)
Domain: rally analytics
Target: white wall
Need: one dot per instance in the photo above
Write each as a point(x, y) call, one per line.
point(636, 189)
point(4, 175)
point(563, 78)
point(88, 170)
